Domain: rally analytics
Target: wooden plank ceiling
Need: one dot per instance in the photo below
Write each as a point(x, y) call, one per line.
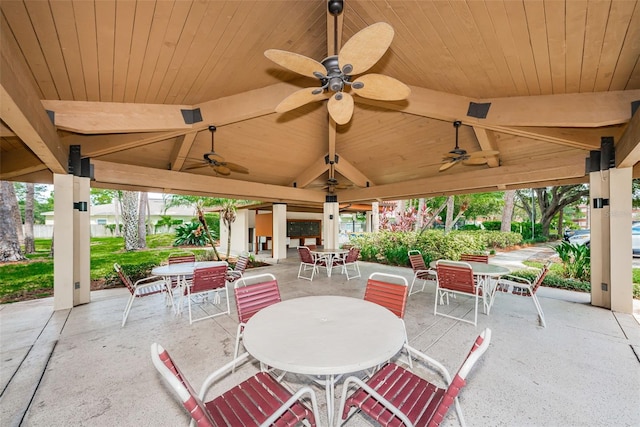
point(115, 77)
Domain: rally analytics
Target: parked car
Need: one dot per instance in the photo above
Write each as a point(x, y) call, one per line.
point(635, 239)
point(580, 237)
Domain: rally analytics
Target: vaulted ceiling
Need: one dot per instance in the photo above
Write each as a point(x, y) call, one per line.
point(136, 84)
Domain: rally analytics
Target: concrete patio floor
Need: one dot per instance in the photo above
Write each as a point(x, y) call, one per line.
point(80, 368)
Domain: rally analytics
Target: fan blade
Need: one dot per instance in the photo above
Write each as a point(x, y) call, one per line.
point(222, 170)
point(451, 155)
point(382, 88)
point(296, 62)
point(341, 109)
point(447, 165)
point(233, 167)
point(196, 167)
point(299, 98)
point(213, 158)
point(487, 153)
point(474, 161)
point(365, 48)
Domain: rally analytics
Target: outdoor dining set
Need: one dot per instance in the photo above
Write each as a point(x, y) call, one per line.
point(360, 342)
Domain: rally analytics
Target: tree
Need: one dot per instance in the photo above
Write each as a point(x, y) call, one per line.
point(228, 214)
point(9, 244)
point(551, 200)
point(130, 219)
point(507, 212)
point(29, 243)
point(142, 223)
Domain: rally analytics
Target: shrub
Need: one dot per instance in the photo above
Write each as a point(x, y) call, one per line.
point(191, 233)
point(554, 279)
point(576, 260)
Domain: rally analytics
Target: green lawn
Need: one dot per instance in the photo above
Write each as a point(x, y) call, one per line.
point(34, 278)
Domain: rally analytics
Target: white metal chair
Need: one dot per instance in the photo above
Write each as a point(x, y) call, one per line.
point(252, 295)
point(259, 400)
point(350, 260)
point(456, 278)
point(394, 396)
point(420, 270)
point(237, 271)
point(523, 287)
point(208, 280)
point(308, 262)
point(141, 288)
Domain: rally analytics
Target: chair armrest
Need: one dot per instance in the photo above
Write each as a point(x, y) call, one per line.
point(220, 372)
point(435, 365)
point(148, 279)
point(515, 279)
point(289, 403)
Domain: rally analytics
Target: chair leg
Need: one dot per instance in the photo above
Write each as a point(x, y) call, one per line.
point(539, 308)
point(127, 309)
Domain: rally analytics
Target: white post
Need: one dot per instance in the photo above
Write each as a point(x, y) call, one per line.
point(621, 293)
point(63, 259)
point(81, 242)
point(331, 224)
point(279, 242)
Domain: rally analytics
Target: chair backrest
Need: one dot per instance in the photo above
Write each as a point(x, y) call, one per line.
point(180, 258)
point(251, 298)
point(241, 264)
point(352, 255)
point(208, 278)
point(305, 255)
point(170, 372)
point(459, 380)
point(540, 277)
point(387, 294)
point(456, 276)
point(416, 260)
point(475, 258)
point(123, 277)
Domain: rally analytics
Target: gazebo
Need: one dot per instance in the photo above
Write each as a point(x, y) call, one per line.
point(134, 95)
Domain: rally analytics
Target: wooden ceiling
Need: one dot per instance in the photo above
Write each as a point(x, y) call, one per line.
point(116, 76)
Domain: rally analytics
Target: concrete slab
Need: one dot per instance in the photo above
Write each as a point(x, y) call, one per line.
point(581, 369)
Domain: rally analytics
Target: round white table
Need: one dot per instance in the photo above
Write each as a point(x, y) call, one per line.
point(329, 255)
point(324, 336)
point(181, 271)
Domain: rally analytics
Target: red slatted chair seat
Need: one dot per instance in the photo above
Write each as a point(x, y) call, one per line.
point(238, 269)
point(141, 288)
point(249, 403)
point(411, 398)
point(205, 280)
point(475, 258)
point(456, 277)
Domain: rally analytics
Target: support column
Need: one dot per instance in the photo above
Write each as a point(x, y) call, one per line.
point(331, 224)
point(279, 242)
point(375, 218)
point(369, 221)
point(81, 241)
point(621, 295)
point(63, 253)
point(600, 239)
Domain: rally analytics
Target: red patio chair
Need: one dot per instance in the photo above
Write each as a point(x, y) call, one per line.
point(142, 288)
point(179, 258)
point(208, 280)
point(394, 396)
point(350, 260)
point(474, 258)
point(523, 287)
point(455, 278)
point(262, 292)
point(420, 270)
point(238, 270)
point(308, 262)
point(257, 401)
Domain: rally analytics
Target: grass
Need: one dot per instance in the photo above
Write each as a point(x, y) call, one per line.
point(34, 278)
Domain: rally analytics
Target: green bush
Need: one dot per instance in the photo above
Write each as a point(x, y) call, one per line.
point(576, 260)
point(192, 234)
point(554, 279)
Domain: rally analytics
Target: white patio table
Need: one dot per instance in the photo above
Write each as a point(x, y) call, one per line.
point(329, 255)
point(181, 271)
point(325, 336)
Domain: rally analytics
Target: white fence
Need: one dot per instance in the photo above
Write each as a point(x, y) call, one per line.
point(41, 231)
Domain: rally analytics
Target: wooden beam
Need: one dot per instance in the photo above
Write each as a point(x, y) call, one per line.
point(109, 173)
point(332, 139)
point(628, 147)
point(352, 173)
point(21, 110)
point(19, 162)
point(101, 145)
point(181, 149)
point(312, 172)
point(487, 142)
point(116, 117)
point(559, 168)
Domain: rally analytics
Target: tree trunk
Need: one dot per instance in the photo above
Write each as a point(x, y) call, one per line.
point(433, 217)
point(507, 213)
point(420, 218)
point(142, 223)
point(17, 217)
point(29, 243)
point(130, 219)
point(9, 244)
point(448, 225)
point(117, 212)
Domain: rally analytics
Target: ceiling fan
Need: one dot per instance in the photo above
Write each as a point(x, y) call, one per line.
point(217, 162)
point(459, 155)
point(336, 72)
